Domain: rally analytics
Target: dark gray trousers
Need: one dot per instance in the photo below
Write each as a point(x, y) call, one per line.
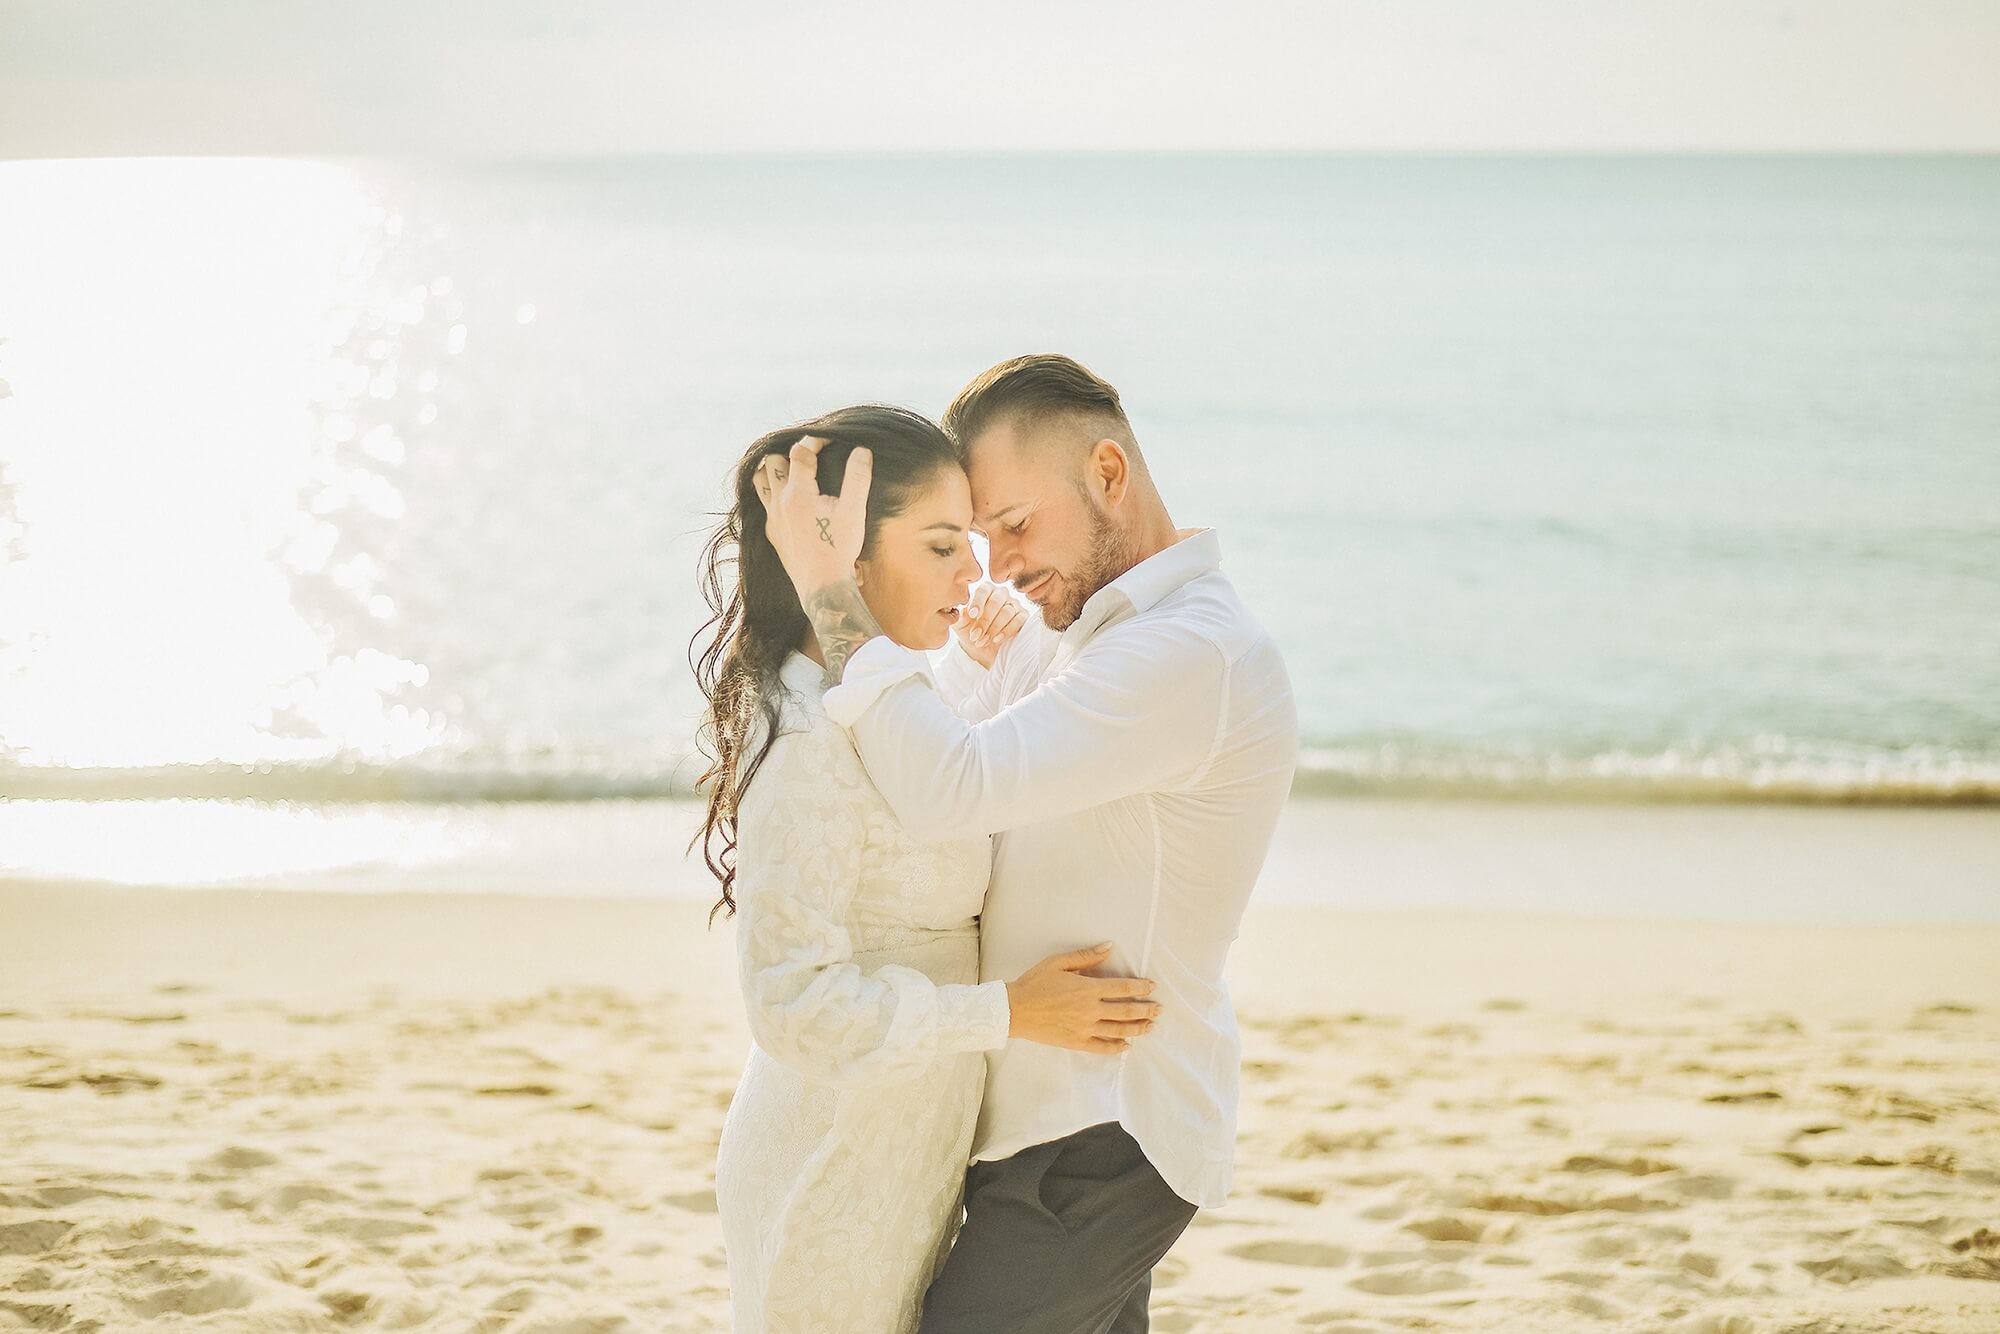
point(1061, 1238)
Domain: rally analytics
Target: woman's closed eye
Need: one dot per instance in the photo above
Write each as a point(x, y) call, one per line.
point(947, 551)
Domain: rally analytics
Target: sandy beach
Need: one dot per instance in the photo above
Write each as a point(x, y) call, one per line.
point(287, 1109)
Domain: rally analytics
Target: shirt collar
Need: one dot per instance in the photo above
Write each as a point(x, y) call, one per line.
point(1139, 589)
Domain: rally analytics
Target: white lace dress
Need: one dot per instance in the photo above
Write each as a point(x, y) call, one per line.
point(841, 1171)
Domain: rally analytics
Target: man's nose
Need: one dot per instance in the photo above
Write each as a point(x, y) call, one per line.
point(1002, 561)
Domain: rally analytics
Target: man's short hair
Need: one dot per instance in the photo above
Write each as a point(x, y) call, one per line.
point(1031, 392)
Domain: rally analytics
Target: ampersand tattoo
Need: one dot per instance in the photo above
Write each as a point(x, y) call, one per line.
point(825, 530)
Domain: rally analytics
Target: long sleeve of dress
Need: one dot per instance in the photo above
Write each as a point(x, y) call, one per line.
point(811, 1007)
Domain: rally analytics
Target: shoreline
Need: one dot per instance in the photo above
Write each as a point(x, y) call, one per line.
point(1661, 861)
point(1289, 957)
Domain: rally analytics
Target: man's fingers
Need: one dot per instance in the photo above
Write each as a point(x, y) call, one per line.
point(1115, 1027)
point(1071, 960)
point(1111, 988)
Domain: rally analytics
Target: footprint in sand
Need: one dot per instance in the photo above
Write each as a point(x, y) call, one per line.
point(1446, 1228)
point(1984, 1241)
point(577, 1234)
point(1537, 1205)
point(1384, 1210)
point(370, 1229)
point(695, 1202)
point(1413, 1281)
point(55, 1197)
point(219, 1292)
point(1713, 1324)
point(1315, 1143)
point(1699, 1263)
point(1591, 1304)
point(1308, 1253)
point(104, 1081)
point(1852, 1266)
point(1613, 1242)
point(234, 1159)
point(1702, 1186)
point(284, 1199)
point(36, 1236)
point(1636, 1166)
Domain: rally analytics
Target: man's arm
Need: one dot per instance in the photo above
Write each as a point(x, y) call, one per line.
point(1139, 710)
point(1016, 671)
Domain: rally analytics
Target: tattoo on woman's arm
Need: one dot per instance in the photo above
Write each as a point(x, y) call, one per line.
point(841, 620)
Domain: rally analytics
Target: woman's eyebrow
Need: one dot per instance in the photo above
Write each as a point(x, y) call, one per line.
point(948, 527)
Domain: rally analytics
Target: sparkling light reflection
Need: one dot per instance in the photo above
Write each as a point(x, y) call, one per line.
point(180, 463)
point(176, 841)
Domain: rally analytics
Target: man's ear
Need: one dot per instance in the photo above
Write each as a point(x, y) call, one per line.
point(1110, 469)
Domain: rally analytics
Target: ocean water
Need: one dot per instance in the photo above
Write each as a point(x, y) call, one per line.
point(1647, 477)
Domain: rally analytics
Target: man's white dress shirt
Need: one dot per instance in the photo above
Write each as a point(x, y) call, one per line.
point(1134, 766)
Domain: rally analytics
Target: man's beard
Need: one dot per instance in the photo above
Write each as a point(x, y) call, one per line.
point(1108, 556)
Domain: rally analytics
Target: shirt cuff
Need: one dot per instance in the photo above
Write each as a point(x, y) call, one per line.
point(875, 666)
point(980, 1013)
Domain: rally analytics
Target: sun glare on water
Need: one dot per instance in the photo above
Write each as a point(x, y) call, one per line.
point(188, 345)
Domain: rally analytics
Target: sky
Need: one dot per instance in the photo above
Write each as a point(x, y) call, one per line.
point(607, 77)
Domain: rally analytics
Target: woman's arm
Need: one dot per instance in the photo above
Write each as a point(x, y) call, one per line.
point(814, 1010)
point(810, 1006)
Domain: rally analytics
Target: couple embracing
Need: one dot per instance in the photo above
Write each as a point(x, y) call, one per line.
point(982, 906)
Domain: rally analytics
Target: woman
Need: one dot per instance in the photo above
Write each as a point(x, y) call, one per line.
point(841, 1169)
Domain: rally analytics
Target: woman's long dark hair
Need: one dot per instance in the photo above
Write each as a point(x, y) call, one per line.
point(756, 618)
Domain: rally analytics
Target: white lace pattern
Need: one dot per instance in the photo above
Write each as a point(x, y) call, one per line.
point(841, 1169)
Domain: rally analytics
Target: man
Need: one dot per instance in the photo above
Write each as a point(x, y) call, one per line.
point(1133, 757)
